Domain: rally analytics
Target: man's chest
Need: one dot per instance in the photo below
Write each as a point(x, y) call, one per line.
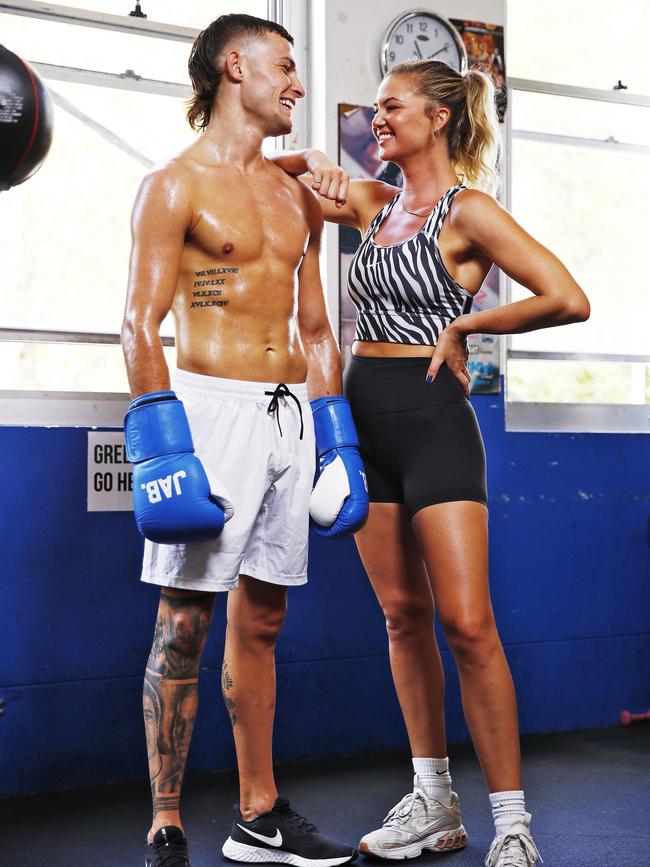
point(248, 222)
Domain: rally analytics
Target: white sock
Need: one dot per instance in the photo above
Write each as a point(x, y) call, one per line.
point(432, 775)
point(507, 807)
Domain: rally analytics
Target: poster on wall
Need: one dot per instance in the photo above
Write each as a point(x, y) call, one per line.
point(358, 156)
point(109, 477)
point(484, 44)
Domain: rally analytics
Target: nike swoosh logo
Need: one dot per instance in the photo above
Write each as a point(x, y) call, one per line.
point(272, 841)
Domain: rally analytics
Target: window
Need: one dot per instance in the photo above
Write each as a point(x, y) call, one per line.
point(580, 183)
point(118, 84)
point(189, 13)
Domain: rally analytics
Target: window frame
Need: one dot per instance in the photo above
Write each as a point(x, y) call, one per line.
point(87, 409)
point(568, 417)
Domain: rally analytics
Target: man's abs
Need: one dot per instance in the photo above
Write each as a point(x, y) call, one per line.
point(235, 306)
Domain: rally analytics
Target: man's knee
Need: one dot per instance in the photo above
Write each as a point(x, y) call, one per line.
point(261, 627)
point(181, 631)
point(257, 617)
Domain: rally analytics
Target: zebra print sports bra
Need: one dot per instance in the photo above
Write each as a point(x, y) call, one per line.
point(403, 292)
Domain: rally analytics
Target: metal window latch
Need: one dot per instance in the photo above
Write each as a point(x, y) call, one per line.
point(129, 73)
point(618, 86)
point(137, 12)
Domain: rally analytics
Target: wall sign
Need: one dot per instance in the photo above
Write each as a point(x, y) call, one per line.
point(110, 478)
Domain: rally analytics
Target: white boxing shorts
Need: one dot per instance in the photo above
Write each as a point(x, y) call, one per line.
point(258, 441)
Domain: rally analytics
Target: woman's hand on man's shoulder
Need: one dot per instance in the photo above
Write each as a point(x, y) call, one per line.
point(329, 180)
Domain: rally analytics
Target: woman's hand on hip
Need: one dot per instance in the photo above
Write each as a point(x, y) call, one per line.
point(451, 349)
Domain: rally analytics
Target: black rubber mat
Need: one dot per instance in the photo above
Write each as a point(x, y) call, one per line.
point(588, 792)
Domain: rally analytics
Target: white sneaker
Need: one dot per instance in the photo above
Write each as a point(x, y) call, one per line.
point(416, 823)
point(515, 848)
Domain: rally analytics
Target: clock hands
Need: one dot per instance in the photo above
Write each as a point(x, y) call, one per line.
point(420, 56)
point(445, 47)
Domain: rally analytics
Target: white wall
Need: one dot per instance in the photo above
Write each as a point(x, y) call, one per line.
point(344, 38)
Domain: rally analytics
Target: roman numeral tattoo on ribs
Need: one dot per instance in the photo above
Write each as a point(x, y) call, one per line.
point(171, 692)
point(209, 286)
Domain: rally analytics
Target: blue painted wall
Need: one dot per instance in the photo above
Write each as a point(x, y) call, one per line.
point(570, 569)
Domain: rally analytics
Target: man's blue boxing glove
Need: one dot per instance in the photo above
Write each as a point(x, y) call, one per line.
point(175, 499)
point(339, 501)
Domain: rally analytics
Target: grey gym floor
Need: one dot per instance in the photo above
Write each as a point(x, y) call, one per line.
point(589, 793)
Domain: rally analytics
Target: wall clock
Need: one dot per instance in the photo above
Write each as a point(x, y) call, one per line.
point(422, 35)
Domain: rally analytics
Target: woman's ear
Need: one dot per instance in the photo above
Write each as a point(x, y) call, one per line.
point(441, 117)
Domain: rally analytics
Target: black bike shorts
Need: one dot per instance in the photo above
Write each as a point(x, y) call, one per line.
point(420, 442)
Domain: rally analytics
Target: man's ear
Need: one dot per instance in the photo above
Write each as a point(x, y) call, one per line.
point(233, 65)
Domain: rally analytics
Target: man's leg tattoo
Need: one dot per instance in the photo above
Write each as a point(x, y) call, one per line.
point(171, 693)
point(226, 685)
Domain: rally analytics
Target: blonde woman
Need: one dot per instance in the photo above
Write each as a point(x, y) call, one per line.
point(425, 252)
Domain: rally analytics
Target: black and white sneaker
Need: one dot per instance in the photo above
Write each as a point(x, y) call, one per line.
point(285, 837)
point(169, 849)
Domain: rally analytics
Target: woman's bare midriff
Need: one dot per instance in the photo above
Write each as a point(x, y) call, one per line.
point(378, 349)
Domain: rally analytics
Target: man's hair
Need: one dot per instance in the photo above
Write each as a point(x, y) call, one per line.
point(202, 65)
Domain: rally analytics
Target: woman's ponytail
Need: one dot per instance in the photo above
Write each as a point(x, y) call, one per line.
point(472, 132)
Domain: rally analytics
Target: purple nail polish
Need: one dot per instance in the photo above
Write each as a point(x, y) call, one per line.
point(429, 378)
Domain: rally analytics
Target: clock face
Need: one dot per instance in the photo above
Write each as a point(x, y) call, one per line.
point(422, 36)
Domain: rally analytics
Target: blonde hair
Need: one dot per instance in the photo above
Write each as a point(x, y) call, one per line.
point(472, 131)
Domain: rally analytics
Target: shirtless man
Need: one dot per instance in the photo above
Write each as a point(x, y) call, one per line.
point(224, 463)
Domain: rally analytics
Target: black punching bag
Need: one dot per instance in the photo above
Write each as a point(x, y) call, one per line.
point(26, 116)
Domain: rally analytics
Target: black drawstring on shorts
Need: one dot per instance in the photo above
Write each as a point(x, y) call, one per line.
point(282, 390)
